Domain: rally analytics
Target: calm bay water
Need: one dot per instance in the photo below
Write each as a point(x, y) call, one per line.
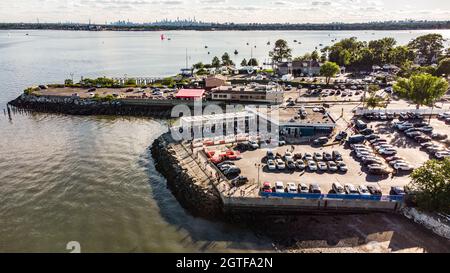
point(92, 179)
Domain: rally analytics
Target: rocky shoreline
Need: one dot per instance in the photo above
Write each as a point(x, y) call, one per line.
point(194, 193)
point(76, 106)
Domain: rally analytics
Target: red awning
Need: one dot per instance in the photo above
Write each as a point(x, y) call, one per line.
point(190, 93)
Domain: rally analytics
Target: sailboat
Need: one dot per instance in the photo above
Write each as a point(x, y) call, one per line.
point(162, 37)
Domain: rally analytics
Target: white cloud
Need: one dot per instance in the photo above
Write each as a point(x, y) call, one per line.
point(293, 11)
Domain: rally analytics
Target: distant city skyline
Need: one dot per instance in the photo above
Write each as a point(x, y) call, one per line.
point(221, 11)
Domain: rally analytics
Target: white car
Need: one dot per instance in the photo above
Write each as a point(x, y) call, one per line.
point(383, 146)
point(338, 188)
point(403, 167)
point(442, 154)
point(312, 165)
point(444, 115)
point(363, 190)
point(253, 144)
point(291, 188)
point(303, 188)
point(400, 161)
point(332, 166)
point(358, 146)
point(388, 152)
point(271, 165)
point(280, 164)
point(279, 187)
point(350, 189)
point(435, 148)
point(362, 154)
point(288, 156)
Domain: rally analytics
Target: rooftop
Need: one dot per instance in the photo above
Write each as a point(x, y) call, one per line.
point(292, 115)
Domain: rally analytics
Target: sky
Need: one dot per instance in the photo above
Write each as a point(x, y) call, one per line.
point(238, 11)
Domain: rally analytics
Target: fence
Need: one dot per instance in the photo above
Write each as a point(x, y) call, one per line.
point(384, 198)
point(360, 112)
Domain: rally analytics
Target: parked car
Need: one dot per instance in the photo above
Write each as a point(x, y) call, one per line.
point(372, 160)
point(337, 156)
point(342, 167)
point(239, 181)
point(377, 169)
point(397, 191)
point(233, 171)
point(438, 136)
point(292, 188)
point(322, 166)
point(270, 154)
point(321, 141)
point(388, 152)
point(253, 144)
point(303, 188)
point(341, 136)
point(351, 189)
point(372, 137)
point(315, 188)
point(442, 154)
point(444, 115)
point(288, 156)
point(366, 132)
point(327, 156)
point(402, 166)
point(360, 125)
point(394, 158)
point(318, 156)
point(422, 139)
point(338, 188)
point(279, 187)
point(291, 164)
point(312, 166)
point(356, 139)
point(271, 165)
point(280, 164)
point(267, 187)
point(308, 157)
point(374, 190)
point(363, 190)
point(300, 164)
point(332, 166)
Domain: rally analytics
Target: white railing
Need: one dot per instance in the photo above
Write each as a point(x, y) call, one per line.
point(425, 111)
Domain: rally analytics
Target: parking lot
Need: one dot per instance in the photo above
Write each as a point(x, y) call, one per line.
point(356, 174)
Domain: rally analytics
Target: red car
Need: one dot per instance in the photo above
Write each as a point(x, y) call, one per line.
point(267, 187)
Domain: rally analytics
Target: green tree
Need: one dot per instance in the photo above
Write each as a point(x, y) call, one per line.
point(199, 65)
point(429, 47)
point(281, 51)
point(215, 62)
point(381, 50)
point(400, 55)
point(226, 60)
point(422, 89)
point(443, 67)
point(68, 82)
point(375, 101)
point(431, 183)
point(329, 70)
point(253, 62)
point(315, 56)
point(305, 58)
point(244, 62)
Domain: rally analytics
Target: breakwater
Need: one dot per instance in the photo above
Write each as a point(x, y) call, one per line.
point(76, 106)
point(189, 182)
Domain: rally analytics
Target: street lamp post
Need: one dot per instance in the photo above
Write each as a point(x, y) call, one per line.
point(259, 168)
